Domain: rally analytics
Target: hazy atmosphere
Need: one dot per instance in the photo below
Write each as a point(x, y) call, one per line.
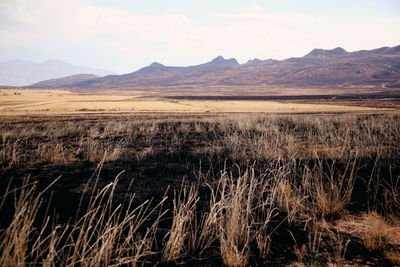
point(123, 36)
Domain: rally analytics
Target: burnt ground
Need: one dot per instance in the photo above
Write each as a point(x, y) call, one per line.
point(163, 172)
point(381, 95)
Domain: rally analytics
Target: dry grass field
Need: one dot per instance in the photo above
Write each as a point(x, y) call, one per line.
point(35, 96)
point(60, 102)
point(200, 190)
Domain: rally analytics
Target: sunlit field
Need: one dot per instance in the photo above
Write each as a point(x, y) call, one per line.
point(50, 102)
point(26, 97)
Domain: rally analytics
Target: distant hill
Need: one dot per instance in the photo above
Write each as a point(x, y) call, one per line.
point(21, 73)
point(337, 68)
point(322, 53)
point(66, 81)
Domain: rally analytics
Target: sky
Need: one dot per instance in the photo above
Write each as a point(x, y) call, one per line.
point(125, 35)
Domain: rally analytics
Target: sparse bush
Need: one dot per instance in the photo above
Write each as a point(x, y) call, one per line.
point(376, 233)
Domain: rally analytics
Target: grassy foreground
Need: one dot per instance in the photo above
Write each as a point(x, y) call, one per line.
point(294, 190)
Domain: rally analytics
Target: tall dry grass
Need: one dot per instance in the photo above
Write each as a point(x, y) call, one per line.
point(105, 235)
point(238, 138)
point(264, 176)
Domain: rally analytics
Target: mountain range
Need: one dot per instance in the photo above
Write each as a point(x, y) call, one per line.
point(337, 67)
point(21, 73)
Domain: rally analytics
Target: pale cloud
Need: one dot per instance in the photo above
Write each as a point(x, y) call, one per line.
point(99, 36)
point(284, 36)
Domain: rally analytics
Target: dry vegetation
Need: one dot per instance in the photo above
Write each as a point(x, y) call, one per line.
point(204, 190)
point(24, 102)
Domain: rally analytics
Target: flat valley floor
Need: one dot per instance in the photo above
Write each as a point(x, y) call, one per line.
point(28, 101)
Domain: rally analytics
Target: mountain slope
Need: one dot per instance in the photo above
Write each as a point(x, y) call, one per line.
point(323, 53)
point(160, 75)
point(66, 81)
point(20, 73)
point(337, 67)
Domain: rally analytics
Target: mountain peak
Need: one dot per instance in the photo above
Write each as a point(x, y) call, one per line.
point(222, 60)
point(218, 59)
point(153, 67)
point(317, 52)
point(255, 61)
point(156, 64)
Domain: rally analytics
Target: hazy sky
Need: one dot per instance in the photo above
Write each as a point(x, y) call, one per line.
point(124, 35)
